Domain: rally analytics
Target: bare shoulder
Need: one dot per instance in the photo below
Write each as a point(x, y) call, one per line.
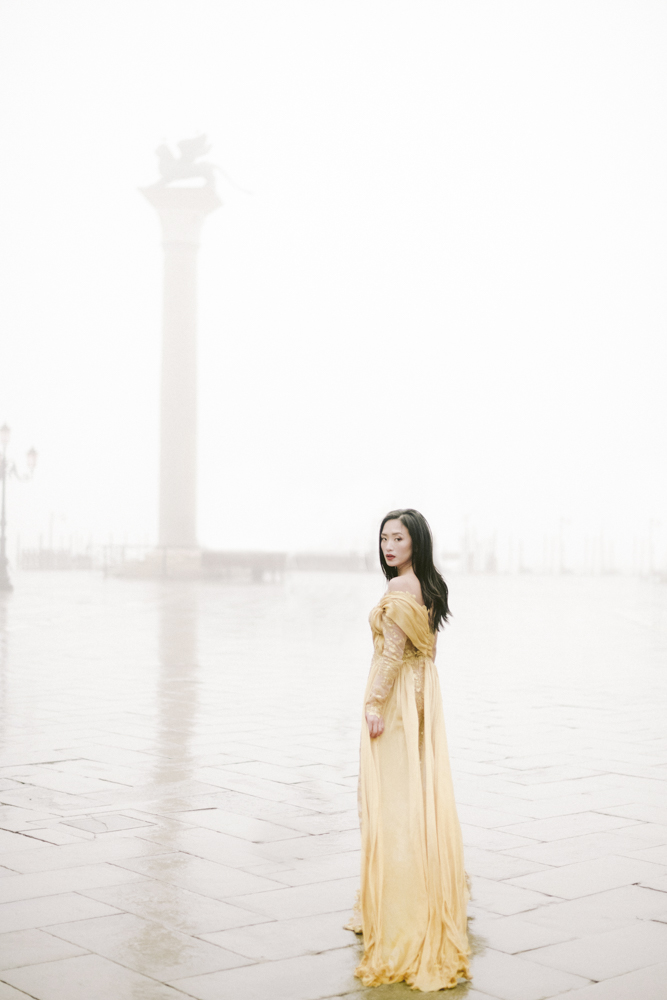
point(406, 583)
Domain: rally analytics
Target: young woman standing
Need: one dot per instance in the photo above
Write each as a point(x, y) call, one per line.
point(412, 905)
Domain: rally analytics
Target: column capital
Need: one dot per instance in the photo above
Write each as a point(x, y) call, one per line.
point(182, 210)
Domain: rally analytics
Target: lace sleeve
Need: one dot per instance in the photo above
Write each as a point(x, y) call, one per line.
point(390, 663)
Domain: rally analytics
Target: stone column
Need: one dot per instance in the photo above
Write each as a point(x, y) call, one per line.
point(182, 211)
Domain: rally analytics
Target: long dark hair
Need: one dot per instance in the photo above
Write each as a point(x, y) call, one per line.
point(434, 588)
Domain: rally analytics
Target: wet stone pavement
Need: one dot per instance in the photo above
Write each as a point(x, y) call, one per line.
point(178, 768)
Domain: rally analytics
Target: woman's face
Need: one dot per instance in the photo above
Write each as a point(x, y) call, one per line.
point(396, 545)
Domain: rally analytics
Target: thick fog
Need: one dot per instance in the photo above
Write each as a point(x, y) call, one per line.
point(431, 274)
point(437, 279)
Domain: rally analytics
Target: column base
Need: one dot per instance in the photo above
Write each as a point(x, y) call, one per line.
point(163, 561)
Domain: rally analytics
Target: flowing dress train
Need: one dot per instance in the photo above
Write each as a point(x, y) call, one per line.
point(412, 904)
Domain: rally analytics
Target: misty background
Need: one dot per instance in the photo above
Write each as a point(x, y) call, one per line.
point(444, 287)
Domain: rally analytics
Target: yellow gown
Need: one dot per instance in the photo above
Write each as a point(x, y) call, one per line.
point(412, 904)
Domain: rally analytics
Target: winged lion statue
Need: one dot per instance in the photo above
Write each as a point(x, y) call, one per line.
point(185, 166)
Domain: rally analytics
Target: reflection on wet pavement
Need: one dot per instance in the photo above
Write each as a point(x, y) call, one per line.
point(178, 786)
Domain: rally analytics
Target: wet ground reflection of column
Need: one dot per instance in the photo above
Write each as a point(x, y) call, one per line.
point(178, 682)
point(177, 704)
point(3, 664)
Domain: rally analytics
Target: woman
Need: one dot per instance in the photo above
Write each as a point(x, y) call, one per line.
point(411, 907)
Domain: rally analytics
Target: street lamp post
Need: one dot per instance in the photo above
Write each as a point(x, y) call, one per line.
point(8, 469)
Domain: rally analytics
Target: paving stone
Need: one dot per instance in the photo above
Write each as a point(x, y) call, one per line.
point(546, 775)
point(659, 883)
point(45, 859)
point(515, 977)
point(309, 977)
point(592, 845)
point(492, 840)
point(504, 898)
point(287, 938)
point(245, 804)
point(197, 875)
point(209, 844)
point(490, 818)
point(328, 772)
point(302, 848)
point(520, 933)
point(73, 979)
point(259, 769)
point(620, 788)
point(589, 877)
point(12, 842)
point(147, 947)
point(522, 802)
point(64, 782)
point(9, 993)
point(655, 854)
point(260, 787)
point(649, 834)
point(301, 901)
point(320, 801)
point(30, 947)
point(35, 884)
point(56, 834)
point(602, 911)
point(572, 825)
point(641, 811)
point(557, 806)
point(164, 797)
point(645, 984)
point(318, 869)
point(46, 800)
point(493, 864)
point(13, 818)
point(106, 822)
point(603, 956)
point(117, 772)
point(240, 753)
point(538, 760)
point(47, 910)
point(177, 908)
point(328, 823)
point(244, 827)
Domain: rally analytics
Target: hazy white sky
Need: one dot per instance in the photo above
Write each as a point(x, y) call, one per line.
point(445, 290)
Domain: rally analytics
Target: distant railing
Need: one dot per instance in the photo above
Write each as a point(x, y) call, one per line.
point(333, 562)
point(156, 560)
point(161, 561)
point(54, 559)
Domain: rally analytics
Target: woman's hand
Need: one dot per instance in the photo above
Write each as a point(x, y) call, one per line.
point(375, 725)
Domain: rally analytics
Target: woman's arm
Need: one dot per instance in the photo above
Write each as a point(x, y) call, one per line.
point(390, 664)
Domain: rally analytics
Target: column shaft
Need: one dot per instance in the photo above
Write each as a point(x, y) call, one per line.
point(182, 212)
point(178, 398)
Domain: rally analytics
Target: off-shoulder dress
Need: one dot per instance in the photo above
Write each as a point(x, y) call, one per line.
point(412, 904)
